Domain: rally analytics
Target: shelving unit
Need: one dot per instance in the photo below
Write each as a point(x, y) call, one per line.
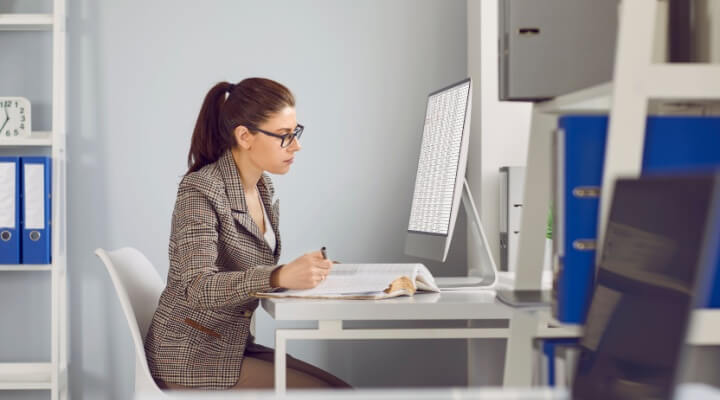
point(638, 81)
point(640, 88)
point(51, 375)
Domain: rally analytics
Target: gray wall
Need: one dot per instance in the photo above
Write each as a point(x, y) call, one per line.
point(138, 72)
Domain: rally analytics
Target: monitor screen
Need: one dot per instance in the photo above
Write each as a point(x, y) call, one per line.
point(641, 304)
point(434, 197)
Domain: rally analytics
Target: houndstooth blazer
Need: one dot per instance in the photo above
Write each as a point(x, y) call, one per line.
point(218, 261)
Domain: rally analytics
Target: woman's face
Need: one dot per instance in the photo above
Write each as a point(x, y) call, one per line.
point(265, 151)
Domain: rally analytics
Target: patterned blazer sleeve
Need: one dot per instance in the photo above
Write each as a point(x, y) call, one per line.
point(195, 236)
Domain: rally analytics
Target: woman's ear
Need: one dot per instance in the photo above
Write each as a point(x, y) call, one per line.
point(243, 137)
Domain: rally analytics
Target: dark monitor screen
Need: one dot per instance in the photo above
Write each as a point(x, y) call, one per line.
point(641, 303)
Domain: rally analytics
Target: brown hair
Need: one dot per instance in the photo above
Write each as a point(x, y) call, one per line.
point(249, 102)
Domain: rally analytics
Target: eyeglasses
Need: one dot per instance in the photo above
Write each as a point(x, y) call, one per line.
point(287, 138)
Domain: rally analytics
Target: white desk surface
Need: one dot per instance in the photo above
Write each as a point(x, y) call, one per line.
point(422, 306)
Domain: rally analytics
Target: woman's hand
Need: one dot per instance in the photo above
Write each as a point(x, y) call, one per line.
point(305, 272)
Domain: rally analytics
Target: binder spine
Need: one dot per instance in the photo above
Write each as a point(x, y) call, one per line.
point(504, 216)
point(37, 206)
point(685, 144)
point(581, 151)
point(10, 211)
point(558, 204)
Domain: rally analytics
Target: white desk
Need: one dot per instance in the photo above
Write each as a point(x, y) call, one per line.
point(523, 325)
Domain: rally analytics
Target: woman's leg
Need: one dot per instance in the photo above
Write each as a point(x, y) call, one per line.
point(260, 374)
point(300, 366)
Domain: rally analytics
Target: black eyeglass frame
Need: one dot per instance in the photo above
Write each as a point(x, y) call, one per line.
point(297, 133)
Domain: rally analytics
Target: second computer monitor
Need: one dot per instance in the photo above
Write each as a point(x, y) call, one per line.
point(440, 172)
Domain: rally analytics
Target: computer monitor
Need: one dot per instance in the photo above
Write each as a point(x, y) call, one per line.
point(440, 183)
point(636, 327)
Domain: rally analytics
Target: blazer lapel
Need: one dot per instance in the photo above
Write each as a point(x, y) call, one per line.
point(236, 195)
point(244, 219)
point(266, 193)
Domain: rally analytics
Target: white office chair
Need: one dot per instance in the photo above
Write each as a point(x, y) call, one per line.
point(138, 286)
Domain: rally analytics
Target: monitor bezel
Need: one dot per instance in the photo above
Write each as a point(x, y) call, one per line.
point(433, 245)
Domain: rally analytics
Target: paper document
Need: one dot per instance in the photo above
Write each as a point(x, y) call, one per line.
point(367, 281)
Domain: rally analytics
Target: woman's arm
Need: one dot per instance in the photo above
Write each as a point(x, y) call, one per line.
point(195, 233)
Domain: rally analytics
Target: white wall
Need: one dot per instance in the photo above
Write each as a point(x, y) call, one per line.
point(503, 126)
point(138, 71)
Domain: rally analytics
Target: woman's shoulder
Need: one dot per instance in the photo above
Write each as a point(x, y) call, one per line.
point(206, 180)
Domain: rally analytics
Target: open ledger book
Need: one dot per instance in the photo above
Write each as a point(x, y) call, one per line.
point(367, 281)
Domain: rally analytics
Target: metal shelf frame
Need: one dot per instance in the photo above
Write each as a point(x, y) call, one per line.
point(51, 375)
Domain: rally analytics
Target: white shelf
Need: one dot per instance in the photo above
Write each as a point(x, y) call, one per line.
point(25, 376)
point(26, 22)
point(25, 267)
point(597, 100)
point(593, 100)
point(37, 138)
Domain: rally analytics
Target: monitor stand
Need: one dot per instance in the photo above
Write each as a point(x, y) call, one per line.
point(525, 298)
point(462, 282)
point(481, 275)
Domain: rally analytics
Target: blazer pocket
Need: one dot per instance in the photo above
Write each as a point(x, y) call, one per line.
point(201, 328)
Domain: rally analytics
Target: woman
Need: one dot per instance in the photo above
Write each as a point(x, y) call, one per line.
point(225, 244)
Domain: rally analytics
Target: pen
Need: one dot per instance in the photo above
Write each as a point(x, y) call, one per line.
point(324, 253)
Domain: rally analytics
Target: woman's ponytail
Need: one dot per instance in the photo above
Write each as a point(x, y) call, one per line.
point(249, 102)
point(210, 139)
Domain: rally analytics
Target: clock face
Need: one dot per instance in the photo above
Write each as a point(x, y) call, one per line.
point(14, 117)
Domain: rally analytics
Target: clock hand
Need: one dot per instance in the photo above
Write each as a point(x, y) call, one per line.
point(7, 118)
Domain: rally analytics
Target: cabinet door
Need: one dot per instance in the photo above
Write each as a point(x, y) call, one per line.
point(553, 47)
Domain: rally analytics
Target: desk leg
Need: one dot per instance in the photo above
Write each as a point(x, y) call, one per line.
point(518, 352)
point(280, 361)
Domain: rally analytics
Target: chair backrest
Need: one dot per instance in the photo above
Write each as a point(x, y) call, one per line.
point(138, 286)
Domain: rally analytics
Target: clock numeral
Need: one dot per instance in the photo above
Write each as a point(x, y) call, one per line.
point(7, 103)
point(22, 126)
point(22, 118)
point(16, 132)
point(22, 110)
point(16, 104)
